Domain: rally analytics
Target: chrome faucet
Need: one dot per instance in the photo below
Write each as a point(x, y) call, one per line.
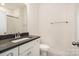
point(17, 35)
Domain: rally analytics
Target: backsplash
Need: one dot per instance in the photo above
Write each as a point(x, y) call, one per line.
point(24, 34)
point(8, 36)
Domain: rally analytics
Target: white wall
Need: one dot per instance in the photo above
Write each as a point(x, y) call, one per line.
point(58, 36)
point(77, 17)
point(32, 15)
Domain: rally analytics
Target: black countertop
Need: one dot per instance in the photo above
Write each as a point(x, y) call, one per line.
point(6, 44)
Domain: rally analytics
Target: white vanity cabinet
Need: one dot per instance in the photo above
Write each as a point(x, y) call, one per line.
point(36, 48)
point(30, 49)
point(11, 52)
point(26, 48)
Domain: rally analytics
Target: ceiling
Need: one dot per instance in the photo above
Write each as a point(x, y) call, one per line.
point(13, 5)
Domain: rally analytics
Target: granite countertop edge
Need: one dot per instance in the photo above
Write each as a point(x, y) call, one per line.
point(14, 45)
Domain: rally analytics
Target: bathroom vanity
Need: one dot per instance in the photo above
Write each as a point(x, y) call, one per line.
point(13, 20)
point(25, 46)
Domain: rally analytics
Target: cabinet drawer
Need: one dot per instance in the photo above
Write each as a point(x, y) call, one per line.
point(25, 47)
point(11, 52)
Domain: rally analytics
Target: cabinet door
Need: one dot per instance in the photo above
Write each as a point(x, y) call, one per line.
point(28, 52)
point(25, 47)
point(3, 22)
point(30, 49)
point(12, 52)
point(36, 48)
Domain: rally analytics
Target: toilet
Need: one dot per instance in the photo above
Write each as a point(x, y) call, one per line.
point(44, 49)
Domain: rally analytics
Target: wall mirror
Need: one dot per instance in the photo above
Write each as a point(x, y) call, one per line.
point(12, 18)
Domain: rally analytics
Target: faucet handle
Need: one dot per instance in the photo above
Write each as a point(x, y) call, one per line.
point(17, 35)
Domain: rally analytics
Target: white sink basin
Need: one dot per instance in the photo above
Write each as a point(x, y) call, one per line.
point(15, 41)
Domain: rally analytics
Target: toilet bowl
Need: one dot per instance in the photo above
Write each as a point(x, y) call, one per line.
point(44, 49)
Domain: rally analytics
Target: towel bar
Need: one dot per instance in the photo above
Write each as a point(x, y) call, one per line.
point(59, 22)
